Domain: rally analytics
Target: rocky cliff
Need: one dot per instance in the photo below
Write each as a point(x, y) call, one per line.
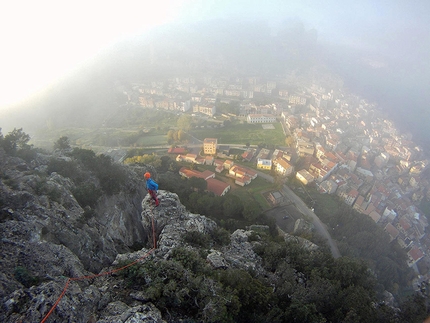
point(47, 238)
point(65, 262)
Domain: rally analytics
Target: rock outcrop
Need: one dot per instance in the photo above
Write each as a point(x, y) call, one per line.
point(47, 238)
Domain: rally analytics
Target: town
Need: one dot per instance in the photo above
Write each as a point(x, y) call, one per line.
point(335, 141)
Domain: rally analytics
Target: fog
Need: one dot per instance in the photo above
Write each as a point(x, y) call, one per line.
point(381, 49)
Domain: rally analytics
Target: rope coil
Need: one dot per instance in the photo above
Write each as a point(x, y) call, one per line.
point(69, 280)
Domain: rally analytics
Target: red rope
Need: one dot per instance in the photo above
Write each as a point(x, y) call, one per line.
point(102, 274)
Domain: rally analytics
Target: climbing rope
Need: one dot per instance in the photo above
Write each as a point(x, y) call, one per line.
point(69, 280)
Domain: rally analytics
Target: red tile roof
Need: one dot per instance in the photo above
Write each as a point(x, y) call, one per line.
point(217, 187)
point(176, 150)
point(415, 253)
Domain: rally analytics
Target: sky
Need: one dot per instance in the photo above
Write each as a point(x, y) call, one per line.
point(46, 39)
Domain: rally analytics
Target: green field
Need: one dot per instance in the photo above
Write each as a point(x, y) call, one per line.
point(253, 134)
point(254, 191)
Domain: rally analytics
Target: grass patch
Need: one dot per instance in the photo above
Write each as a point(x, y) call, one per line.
point(243, 133)
point(254, 192)
point(156, 140)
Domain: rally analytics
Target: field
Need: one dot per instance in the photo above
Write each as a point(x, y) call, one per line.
point(254, 191)
point(253, 134)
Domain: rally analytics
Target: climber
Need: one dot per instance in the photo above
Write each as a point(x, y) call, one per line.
point(152, 187)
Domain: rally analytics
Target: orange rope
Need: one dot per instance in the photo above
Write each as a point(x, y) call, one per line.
point(104, 273)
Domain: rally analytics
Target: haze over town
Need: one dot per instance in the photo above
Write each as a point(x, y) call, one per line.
point(380, 49)
point(270, 122)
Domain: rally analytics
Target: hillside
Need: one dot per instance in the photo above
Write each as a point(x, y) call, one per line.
point(72, 214)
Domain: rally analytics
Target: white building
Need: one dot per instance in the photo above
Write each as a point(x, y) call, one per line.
point(260, 118)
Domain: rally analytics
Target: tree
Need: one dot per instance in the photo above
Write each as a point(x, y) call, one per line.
point(414, 309)
point(170, 136)
point(289, 141)
point(182, 136)
point(198, 183)
point(62, 143)
point(232, 206)
point(16, 140)
point(184, 122)
point(251, 210)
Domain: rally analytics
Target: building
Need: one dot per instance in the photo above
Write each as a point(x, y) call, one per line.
point(217, 187)
point(209, 146)
point(264, 164)
point(304, 176)
point(248, 154)
point(414, 255)
point(209, 160)
point(276, 197)
point(177, 150)
point(392, 231)
point(228, 164)
point(189, 158)
point(188, 173)
point(242, 181)
point(241, 172)
point(208, 109)
point(282, 167)
point(260, 118)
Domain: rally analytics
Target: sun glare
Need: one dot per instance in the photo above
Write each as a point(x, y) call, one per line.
point(43, 40)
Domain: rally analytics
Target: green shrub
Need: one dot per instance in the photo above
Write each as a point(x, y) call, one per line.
point(86, 194)
point(189, 259)
point(64, 168)
point(196, 239)
point(220, 236)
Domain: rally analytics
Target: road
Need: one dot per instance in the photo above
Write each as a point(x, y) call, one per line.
point(302, 207)
point(319, 226)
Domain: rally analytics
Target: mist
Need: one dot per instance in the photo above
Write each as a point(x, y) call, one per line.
point(380, 50)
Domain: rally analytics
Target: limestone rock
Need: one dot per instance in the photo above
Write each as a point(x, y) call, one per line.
point(121, 312)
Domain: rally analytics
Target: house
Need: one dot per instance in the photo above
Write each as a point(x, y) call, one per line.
point(375, 216)
point(218, 162)
point(264, 164)
point(228, 164)
point(188, 173)
point(351, 196)
point(241, 172)
point(304, 148)
point(414, 255)
point(200, 161)
point(248, 154)
point(209, 146)
point(217, 187)
point(392, 231)
point(263, 154)
point(304, 176)
point(276, 197)
point(177, 150)
point(207, 109)
point(209, 160)
point(189, 158)
point(282, 167)
point(328, 186)
point(242, 181)
point(277, 154)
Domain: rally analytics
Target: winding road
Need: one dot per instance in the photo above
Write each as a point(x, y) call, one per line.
point(302, 207)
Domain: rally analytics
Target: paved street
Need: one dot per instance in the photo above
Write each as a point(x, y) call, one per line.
point(319, 226)
point(302, 207)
